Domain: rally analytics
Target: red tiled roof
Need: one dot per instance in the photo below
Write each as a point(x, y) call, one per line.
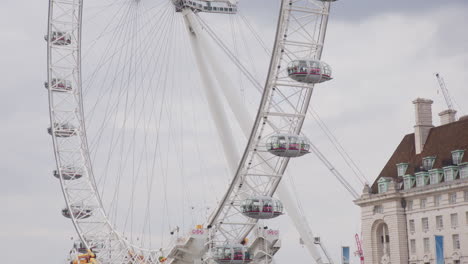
point(440, 143)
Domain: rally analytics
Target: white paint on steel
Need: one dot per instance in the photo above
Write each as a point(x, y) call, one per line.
point(213, 96)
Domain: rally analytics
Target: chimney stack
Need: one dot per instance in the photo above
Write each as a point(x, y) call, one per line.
point(423, 111)
point(447, 116)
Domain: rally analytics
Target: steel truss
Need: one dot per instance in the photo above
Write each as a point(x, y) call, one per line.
point(71, 151)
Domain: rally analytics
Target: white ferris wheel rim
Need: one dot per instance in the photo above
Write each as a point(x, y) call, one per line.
point(56, 117)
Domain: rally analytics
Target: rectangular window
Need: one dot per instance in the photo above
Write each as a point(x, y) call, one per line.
point(466, 218)
point(413, 246)
point(437, 200)
point(428, 163)
point(466, 196)
point(402, 167)
point(439, 222)
point(411, 226)
point(464, 171)
point(434, 176)
point(425, 224)
point(407, 183)
point(383, 187)
point(410, 205)
point(419, 181)
point(454, 220)
point(427, 246)
point(457, 156)
point(423, 203)
point(452, 198)
point(456, 241)
point(449, 174)
point(378, 209)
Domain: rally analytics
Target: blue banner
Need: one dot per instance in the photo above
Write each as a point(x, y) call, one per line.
point(345, 255)
point(439, 243)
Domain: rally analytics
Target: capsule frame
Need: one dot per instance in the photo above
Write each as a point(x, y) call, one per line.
point(59, 85)
point(309, 71)
point(59, 38)
point(68, 173)
point(63, 130)
point(234, 254)
point(288, 145)
point(78, 212)
point(262, 207)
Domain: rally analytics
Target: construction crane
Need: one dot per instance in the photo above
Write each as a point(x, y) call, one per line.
point(359, 251)
point(445, 91)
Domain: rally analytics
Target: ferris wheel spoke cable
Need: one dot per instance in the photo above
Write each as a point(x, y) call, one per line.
point(113, 205)
point(117, 32)
point(118, 51)
point(170, 89)
point(108, 108)
point(147, 221)
point(105, 31)
point(258, 86)
point(157, 140)
point(107, 59)
point(255, 34)
point(130, 211)
point(103, 126)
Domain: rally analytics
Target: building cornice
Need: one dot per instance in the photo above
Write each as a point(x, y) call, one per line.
point(370, 199)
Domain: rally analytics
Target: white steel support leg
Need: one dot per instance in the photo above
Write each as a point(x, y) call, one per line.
point(232, 96)
point(212, 94)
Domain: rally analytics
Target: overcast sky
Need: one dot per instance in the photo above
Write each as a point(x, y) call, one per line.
point(383, 53)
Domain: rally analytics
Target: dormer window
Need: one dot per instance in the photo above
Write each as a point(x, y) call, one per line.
point(428, 163)
point(383, 184)
point(457, 156)
point(463, 170)
point(422, 178)
point(408, 182)
point(401, 168)
point(436, 176)
point(450, 173)
point(463, 167)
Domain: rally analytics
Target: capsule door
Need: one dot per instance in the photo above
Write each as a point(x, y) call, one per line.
point(293, 146)
point(304, 146)
point(277, 144)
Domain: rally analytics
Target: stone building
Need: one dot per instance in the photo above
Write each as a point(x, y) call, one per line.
point(417, 209)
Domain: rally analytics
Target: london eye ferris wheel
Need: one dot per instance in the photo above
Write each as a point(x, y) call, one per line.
point(164, 152)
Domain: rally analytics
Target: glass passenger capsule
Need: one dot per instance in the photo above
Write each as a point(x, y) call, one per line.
point(63, 130)
point(68, 173)
point(309, 71)
point(288, 145)
point(235, 254)
point(96, 245)
point(78, 212)
point(262, 207)
point(59, 85)
point(59, 38)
